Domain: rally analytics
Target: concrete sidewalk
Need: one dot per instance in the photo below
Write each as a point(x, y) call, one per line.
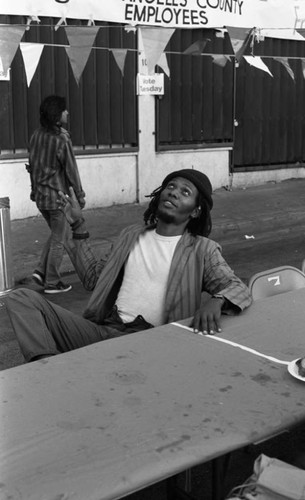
point(237, 213)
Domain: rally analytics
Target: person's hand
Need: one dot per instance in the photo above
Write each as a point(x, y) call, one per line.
point(207, 319)
point(69, 206)
point(82, 202)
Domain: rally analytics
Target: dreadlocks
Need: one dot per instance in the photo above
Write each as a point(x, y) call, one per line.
point(201, 225)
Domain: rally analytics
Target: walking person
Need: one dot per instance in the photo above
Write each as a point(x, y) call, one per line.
point(52, 167)
point(156, 273)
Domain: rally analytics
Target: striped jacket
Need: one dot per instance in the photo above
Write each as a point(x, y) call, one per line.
point(197, 267)
point(52, 167)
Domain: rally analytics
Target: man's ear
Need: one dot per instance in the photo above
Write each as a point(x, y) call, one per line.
point(196, 212)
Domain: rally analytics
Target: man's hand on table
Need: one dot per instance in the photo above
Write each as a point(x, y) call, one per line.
point(207, 319)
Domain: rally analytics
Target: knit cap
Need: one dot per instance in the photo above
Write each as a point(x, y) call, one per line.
point(200, 180)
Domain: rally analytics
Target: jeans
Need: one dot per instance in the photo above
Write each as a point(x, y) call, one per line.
point(53, 250)
point(45, 329)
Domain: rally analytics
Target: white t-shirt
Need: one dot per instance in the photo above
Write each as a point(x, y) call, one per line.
point(145, 278)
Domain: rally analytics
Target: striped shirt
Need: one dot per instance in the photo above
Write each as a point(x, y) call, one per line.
point(197, 266)
point(53, 167)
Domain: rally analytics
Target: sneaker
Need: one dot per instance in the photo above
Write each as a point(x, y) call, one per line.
point(58, 288)
point(38, 277)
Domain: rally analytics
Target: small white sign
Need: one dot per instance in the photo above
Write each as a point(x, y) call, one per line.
point(150, 84)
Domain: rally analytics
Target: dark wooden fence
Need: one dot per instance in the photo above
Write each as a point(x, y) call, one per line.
point(102, 108)
point(197, 107)
point(200, 104)
point(270, 111)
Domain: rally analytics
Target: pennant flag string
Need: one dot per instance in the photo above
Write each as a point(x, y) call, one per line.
point(139, 51)
point(169, 52)
point(154, 41)
point(173, 52)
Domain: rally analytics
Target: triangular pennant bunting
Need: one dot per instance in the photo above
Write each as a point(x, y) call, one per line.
point(81, 40)
point(258, 63)
point(301, 32)
point(220, 60)
point(285, 63)
point(154, 42)
point(10, 37)
point(164, 64)
point(196, 48)
point(31, 53)
point(239, 39)
point(120, 56)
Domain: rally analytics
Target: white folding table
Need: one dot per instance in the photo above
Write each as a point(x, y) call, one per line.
point(109, 419)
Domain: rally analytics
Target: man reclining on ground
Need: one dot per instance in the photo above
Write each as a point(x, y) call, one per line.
point(155, 274)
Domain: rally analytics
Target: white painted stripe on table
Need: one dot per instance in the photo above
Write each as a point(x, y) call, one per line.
point(234, 344)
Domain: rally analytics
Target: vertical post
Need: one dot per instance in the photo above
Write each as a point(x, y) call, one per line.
point(235, 123)
point(146, 117)
point(6, 261)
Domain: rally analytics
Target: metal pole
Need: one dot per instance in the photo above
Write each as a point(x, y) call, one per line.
point(6, 261)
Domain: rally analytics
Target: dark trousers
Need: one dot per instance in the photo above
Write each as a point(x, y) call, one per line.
point(45, 329)
point(53, 250)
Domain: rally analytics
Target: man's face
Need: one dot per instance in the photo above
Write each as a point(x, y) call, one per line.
point(178, 201)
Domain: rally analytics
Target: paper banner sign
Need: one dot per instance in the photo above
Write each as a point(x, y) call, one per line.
point(271, 14)
point(31, 53)
point(81, 40)
point(10, 37)
point(258, 63)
